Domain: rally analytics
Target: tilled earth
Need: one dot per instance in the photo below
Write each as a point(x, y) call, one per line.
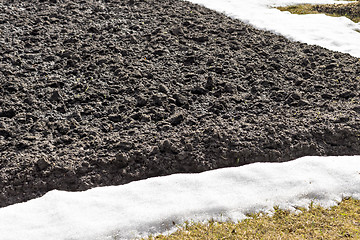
point(97, 93)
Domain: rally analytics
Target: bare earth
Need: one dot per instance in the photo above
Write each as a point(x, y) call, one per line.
point(96, 93)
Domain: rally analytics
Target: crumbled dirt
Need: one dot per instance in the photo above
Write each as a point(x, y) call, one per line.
point(97, 93)
point(350, 10)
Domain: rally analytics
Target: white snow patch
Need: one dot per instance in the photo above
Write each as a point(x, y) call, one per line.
point(151, 206)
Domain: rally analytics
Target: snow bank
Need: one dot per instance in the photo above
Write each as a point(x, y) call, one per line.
point(152, 205)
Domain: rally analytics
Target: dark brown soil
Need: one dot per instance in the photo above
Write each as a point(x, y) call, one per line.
point(350, 10)
point(97, 93)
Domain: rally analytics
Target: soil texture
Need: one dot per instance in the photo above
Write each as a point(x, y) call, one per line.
point(104, 92)
point(350, 10)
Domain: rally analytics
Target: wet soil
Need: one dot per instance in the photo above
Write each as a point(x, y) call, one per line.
point(96, 93)
point(350, 10)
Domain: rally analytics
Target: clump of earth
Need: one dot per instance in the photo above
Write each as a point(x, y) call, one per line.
point(98, 93)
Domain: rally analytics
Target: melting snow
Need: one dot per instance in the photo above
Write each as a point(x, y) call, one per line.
point(152, 205)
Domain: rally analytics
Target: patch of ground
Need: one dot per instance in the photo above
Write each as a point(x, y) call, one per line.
point(339, 222)
point(97, 93)
point(349, 10)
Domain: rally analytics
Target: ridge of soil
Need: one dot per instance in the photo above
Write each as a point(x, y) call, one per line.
point(97, 93)
point(350, 10)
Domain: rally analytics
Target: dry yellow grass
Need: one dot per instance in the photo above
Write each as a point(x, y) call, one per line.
point(339, 222)
point(350, 10)
point(299, 9)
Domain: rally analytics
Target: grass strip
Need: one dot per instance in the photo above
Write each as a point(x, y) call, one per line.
point(341, 221)
point(349, 10)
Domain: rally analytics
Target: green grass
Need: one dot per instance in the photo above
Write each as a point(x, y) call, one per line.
point(339, 222)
